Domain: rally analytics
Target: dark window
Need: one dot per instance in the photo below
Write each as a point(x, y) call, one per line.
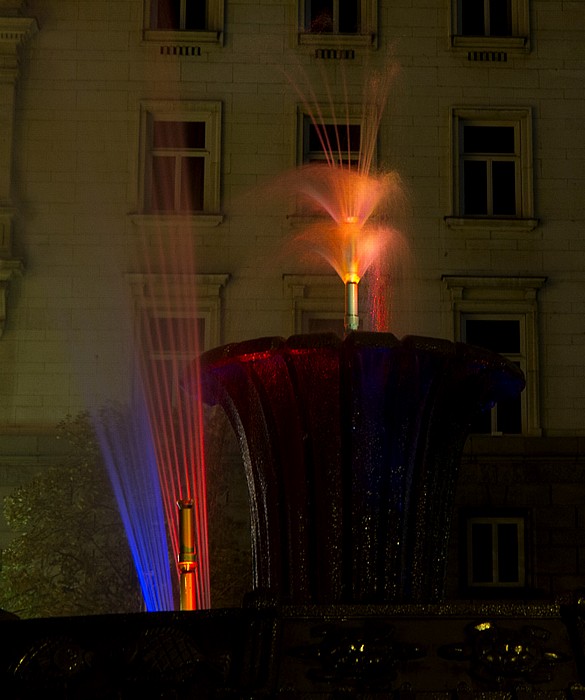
point(486, 17)
point(180, 15)
point(502, 336)
point(489, 170)
point(332, 16)
point(495, 551)
point(498, 335)
point(333, 143)
point(175, 134)
point(339, 140)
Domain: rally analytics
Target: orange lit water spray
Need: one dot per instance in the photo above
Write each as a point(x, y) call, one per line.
point(353, 203)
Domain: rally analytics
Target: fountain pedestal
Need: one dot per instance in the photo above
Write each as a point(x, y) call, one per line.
point(351, 449)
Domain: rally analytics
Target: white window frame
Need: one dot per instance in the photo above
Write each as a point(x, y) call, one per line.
point(213, 34)
point(512, 297)
point(208, 112)
point(518, 42)
point(367, 37)
point(494, 521)
point(521, 121)
point(305, 120)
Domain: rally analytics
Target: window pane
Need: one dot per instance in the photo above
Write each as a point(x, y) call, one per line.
point(481, 553)
point(175, 134)
point(488, 139)
point(507, 552)
point(504, 188)
point(195, 16)
point(192, 174)
point(334, 137)
point(500, 18)
point(163, 183)
point(472, 18)
point(349, 18)
point(169, 14)
point(168, 334)
point(498, 335)
point(320, 15)
point(509, 416)
point(475, 188)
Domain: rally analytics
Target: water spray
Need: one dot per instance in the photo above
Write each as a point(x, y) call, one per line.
point(187, 558)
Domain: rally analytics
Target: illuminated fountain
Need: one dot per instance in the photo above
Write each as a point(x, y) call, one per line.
point(351, 447)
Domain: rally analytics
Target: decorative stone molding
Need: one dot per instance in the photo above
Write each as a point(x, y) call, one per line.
point(13, 32)
point(166, 295)
point(8, 270)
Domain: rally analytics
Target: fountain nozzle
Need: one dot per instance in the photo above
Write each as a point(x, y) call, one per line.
point(187, 557)
point(351, 320)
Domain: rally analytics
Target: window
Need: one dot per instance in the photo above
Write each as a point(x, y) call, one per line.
point(492, 169)
point(490, 25)
point(168, 313)
point(180, 169)
point(183, 22)
point(505, 335)
point(489, 163)
point(316, 303)
point(178, 15)
point(485, 17)
point(338, 16)
point(495, 556)
point(338, 23)
point(329, 141)
point(501, 314)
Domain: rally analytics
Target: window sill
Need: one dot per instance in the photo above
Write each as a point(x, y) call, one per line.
point(337, 41)
point(177, 220)
point(462, 223)
point(168, 37)
point(509, 44)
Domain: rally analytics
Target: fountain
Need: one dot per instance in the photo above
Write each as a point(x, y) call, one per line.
point(351, 449)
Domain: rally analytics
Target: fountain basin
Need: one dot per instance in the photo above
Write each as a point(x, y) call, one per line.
point(351, 450)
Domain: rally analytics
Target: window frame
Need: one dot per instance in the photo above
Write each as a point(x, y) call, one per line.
point(316, 296)
point(517, 42)
point(213, 34)
point(306, 120)
point(491, 297)
point(521, 120)
point(367, 37)
point(210, 114)
point(494, 517)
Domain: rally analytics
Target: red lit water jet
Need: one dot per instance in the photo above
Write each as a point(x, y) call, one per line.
point(170, 338)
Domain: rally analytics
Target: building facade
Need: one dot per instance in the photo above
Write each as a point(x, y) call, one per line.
point(126, 120)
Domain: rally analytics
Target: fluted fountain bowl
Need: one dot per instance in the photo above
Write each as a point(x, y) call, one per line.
point(351, 450)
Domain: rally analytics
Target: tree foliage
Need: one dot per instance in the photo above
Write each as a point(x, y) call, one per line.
point(70, 555)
